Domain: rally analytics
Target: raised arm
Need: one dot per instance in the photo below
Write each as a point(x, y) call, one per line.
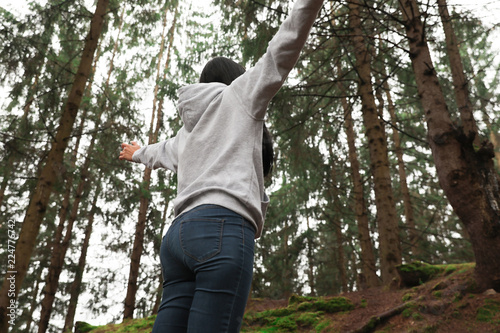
point(259, 84)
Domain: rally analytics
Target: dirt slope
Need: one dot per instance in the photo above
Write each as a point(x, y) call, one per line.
point(445, 303)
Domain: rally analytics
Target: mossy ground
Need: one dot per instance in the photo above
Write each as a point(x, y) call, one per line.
point(302, 313)
point(141, 325)
point(445, 303)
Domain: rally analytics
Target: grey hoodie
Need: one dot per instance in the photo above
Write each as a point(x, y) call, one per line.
point(217, 154)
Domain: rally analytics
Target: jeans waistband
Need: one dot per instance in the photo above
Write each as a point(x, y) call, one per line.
point(214, 211)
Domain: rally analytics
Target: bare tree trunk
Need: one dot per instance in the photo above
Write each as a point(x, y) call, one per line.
point(77, 281)
point(135, 258)
point(460, 84)
point(61, 246)
point(287, 271)
point(310, 259)
point(41, 196)
point(390, 245)
point(333, 200)
point(466, 174)
point(368, 276)
point(405, 192)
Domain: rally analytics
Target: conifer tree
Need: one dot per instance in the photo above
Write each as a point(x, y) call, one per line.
point(156, 120)
point(390, 246)
point(466, 173)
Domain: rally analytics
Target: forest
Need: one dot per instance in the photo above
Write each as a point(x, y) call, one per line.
point(386, 139)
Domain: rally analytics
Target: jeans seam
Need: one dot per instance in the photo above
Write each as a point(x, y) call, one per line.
point(242, 253)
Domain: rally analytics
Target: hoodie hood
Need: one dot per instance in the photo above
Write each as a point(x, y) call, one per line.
point(194, 99)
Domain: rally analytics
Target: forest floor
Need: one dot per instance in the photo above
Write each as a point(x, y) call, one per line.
point(445, 303)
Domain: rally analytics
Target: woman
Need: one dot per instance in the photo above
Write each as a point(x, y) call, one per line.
point(207, 253)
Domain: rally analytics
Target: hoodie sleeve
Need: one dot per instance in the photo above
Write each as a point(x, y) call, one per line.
point(158, 155)
point(258, 85)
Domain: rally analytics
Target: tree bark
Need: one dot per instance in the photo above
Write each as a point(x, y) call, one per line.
point(405, 192)
point(60, 248)
point(368, 277)
point(41, 196)
point(460, 84)
point(135, 258)
point(465, 173)
point(390, 246)
point(333, 200)
point(60, 244)
point(77, 281)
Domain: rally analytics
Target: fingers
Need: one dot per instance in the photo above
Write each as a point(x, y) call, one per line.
point(124, 154)
point(133, 143)
point(128, 150)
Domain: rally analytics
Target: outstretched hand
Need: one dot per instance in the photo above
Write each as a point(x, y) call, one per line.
point(128, 151)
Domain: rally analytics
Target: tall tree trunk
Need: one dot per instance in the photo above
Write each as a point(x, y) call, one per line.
point(60, 248)
point(135, 258)
point(287, 270)
point(58, 251)
point(405, 192)
point(368, 274)
point(465, 173)
point(77, 281)
point(334, 200)
point(390, 246)
point(310, 259)
point(460, 84)
point(41, 196)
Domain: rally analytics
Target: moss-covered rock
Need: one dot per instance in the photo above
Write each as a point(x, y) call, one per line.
point(335, 304)
point(83, 327)
point(416, 273)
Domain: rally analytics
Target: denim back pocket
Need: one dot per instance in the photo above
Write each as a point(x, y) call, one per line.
point(201, 239)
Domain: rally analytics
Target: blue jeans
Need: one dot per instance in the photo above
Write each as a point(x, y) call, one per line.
point(207, 263)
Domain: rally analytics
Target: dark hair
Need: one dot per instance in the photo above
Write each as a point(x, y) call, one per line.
point(224, 70)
